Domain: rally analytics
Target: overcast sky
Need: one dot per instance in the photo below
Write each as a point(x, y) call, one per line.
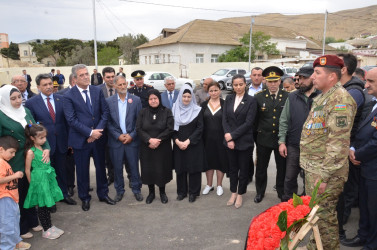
point(24, 20)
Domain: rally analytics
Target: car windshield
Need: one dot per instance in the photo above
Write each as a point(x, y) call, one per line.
point(220, 72)
point(291, 70)
point(165, 75)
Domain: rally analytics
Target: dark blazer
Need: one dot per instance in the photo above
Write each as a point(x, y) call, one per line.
point(28, 79)
point(165, 98)
point(113, 127)
point(123, 74)
point(63, 91)
point(80, 118)
point(240, 123)
point(104, 90)
point(30, 94)
point(365, 144)
point(99, 77)
point(57, 135)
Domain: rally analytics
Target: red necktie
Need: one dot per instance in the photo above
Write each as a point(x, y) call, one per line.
point(50, 109)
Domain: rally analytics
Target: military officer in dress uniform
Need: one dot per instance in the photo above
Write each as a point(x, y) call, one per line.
point(140, 89)
point(270, 105)
point(324, 144)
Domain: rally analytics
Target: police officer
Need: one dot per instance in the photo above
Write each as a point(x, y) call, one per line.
point(270, 104)
point(140, 89)
point(324, 144)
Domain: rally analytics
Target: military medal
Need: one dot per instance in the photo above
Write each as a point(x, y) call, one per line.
point(263, 108)
point(374, 122)
point(154, 117)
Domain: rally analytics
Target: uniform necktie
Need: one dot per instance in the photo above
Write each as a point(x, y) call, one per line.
point(170, 99)
point(111, 92)
point(88, 101)
point(273, 98)
point(139, 90)
point(50, 109)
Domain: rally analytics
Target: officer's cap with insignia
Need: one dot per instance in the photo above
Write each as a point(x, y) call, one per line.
point(328, 61)
point(272, 73)
point(138, 74)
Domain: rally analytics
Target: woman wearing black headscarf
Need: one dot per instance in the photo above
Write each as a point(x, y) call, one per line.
point(154, 126)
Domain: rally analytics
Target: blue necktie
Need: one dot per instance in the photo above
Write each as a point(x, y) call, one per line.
point(171, 100)
point(88, 101)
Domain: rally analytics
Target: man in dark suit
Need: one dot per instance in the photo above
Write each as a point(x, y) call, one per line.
point(123, 141)
point(363, 153)
point(140, 89)
point(169, 96)
point(121, 72)
point(27, 78)
point(87, 112)
point(20, 83)
point(270, 105)
point(96, 78)
point(47, 108)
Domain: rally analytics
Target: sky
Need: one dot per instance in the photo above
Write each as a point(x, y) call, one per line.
point(25, 20)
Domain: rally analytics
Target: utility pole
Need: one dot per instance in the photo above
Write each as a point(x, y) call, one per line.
point(250, 42)
point(324, 34)
point(95, 34)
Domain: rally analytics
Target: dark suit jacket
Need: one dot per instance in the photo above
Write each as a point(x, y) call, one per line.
point(80, 118)
point(30, 94)
point(365, 144)
point(57, 135)
point(240, 123)
point(104, 90)
point(99, 77)
point(113, 126)
point(165, 98)
point(63, 91)
point(123, 74)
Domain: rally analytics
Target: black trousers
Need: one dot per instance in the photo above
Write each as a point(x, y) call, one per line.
point(189, 182)
point(351, 188)
point(109, 164)
point(239, 165)
point(292, 171)
point(58, 163)
point(263, 159)
point(29, 216)
point(44, 217)
point(70, 168)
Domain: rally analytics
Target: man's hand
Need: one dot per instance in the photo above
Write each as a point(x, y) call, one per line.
point(90, 139)
point(154, 143)
point(283, 150)
point(122, 138)
point(228, 137)
point(231, 145)
point(322, 187)
point(353, 158)
point(96, 133)
point(46, 156)
point(128, 139)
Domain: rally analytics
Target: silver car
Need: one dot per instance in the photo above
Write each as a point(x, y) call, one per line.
point(223, 75)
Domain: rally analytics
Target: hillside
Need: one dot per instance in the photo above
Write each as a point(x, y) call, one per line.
point(342, 24)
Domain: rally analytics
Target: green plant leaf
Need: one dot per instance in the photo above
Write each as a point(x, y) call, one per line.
point(284, 243)
point(282, 221)
point(297, 200)
point(313, 199)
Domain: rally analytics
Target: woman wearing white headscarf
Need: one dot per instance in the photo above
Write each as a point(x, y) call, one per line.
point(188, 147)
point(13, 119)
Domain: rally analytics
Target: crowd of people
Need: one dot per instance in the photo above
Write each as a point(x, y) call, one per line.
point(322, 124)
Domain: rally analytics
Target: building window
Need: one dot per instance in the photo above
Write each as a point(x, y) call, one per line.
point(214, 58)
point(260, 57)
point(199, 58)
point(25, 52)
point(156, 59)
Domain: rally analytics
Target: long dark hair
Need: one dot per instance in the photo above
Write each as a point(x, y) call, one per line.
point(32, 130)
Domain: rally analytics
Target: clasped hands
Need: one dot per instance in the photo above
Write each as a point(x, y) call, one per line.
point(229, 140)
point(182, 144)
point(125, 138)
point(154, 143)
point(96, 134)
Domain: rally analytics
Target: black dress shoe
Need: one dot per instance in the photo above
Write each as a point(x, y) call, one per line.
point(258, 198)
point(138, 197)
point(85, 205)
point(181, 197)
point(192, 198)
point(108, 200)
point(70, 191)
point(354, 242)
point(150, 198)
point(118, 197)
point(164, 198)
point(69, 201)
point(53, 209)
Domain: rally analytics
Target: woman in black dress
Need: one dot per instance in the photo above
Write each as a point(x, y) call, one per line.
point(154, 126)
point(238, 119)
point(213, 137)
point(188, 147)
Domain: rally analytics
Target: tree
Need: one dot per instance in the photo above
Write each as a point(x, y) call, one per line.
point(127, 45)
point(11, 52)
point(108, 56)
point(43, 50)
point(260, 43)
point(80, 55)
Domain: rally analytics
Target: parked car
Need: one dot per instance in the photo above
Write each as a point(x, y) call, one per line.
point(156, 79)
point(223, 75)
point(308, 64)
point(367, 68)
point(229, 86)
point(289, 71)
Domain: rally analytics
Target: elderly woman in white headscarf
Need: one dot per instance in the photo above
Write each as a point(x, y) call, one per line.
point(188, 147)
point(13, 119)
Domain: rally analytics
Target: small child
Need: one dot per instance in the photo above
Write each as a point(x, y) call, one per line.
point(9, 211)
point(43, 190)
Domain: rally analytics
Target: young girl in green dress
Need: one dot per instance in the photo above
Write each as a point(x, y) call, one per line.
point(43, 190)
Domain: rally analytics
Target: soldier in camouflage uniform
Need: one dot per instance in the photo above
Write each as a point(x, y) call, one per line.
point(325, 143)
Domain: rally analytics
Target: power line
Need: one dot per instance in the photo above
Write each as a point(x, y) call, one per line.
point(111, 22)
point(112, 13)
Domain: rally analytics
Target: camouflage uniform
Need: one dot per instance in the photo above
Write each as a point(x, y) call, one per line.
point(324, 148)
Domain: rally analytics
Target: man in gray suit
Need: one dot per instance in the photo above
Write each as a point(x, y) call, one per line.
point(202, 95)
point(107, 87)
point(169, 96)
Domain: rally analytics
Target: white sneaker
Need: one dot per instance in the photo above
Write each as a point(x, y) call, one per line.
point(28, 235)
point(219, 190)
point(207, 189)
point(50, 234)
point(57, 230)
